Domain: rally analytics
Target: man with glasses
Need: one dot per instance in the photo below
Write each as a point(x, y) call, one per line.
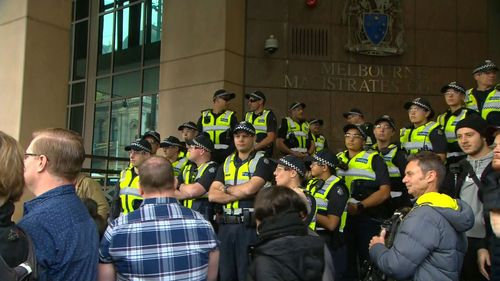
point(263, 120)
point(395, 159)
point(485, 97)
point(175, 152)
point(127, 197)
point(154, 139)
point(368, 181)
point(454, 95)
point(64, 235)
point(293, 134)
point(217, 123)
point(423, 134)
point(236, 184)
point(196, 178)
point(356, 117)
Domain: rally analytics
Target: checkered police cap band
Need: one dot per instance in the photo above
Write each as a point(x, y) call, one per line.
point(167, 142)
point(243, 127)
point(323, 161)
point(198, 144)
point(454, 85)
point(138, 147)
point(419, 103)
point(254, 95)
point(187, 125)
point(286, 163)
point(487, 65)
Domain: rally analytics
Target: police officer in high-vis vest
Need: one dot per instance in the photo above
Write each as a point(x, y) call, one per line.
point(356, 117)
point(293, 135)
point(485, 98)
point(290, 172)
point(454, 95)
point(422, 134)
point(367, 179)
point(238, 179)
point(154, 139)
point(127, 197)
point(217, 124)
point(175, 152)
point(331, 198)
point(395, 159)
point(263, 120)
point(188, 131)
point(319, 139)
point(196, 178)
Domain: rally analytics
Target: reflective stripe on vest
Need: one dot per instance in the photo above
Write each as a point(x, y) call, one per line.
point(259, 123)
point(491, 104)
point(450, 124)
point(179, 165)
point(188, 203)
point(419, 137)
point(389, 161)
point(321, 196)
point(319, 142)
point(129, 190)
point(215, 127)
point(360, 167)
point(301, 133)
point(237, 176)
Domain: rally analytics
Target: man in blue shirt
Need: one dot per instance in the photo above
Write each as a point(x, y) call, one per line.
point(63, 233)
point(161, 240)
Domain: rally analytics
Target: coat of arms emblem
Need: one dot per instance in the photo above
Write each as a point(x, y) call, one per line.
point(375, 27)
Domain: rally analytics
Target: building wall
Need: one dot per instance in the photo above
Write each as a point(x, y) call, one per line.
point(444, 41)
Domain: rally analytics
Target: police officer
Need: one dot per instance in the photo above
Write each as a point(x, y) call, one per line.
point(368, 181)
point(127, 197)
point(319, 140)
point(395, 159)
point(422, 134)
point(175, 152)
point(238, 180)
point(454, 95)
point(217, 123)
point(290, 172)
point(293, 134)
point(154, 139)
point(196, 178)
point(188, 130)
point(331, 199)
point(356, 117)
point(485, 97)
point(263, 120)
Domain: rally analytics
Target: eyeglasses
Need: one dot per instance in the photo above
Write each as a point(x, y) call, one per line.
point(26, 155)
point(380, 126)
point(253, 100)
point(353, 136)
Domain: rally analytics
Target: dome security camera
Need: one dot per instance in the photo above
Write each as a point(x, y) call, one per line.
point(271, 45)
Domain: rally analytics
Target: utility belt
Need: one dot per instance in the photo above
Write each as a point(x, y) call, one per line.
point(236, 216)
point(361, 189)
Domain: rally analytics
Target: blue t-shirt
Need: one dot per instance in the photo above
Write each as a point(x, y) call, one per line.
point(64, 235)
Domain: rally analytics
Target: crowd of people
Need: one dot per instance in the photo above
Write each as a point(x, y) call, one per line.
point(216, 205)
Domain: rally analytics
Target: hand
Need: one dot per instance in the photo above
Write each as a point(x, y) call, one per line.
point(378, 239)
point(483, 260)
point(352, 209)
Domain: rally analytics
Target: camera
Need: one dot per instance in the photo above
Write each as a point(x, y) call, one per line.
point(271, 45)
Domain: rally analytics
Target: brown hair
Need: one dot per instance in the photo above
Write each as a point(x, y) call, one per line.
point(156, 173)
point(276, 200)
point(63, 149)
point(11, 168)
point(429, 161)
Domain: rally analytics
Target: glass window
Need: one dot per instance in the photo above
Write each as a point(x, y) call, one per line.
point(78, 93)
point(127, 85)
point(149, 113)
point(80, 50)
point(105, 5)
point(76, 119)
point(105, 44)
point(151, 80)
point(82, 9)
point(126, 112)
point(152, 45)
point(128, 37)
point(103, 89)
point(101, 129)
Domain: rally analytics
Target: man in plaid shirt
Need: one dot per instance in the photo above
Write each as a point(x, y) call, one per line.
point(161, 240)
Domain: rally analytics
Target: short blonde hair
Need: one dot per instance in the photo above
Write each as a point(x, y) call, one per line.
point(11, 168)
point(63, 149)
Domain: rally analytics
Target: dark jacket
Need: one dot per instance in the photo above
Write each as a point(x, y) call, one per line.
point(430, 243)
point(285, 251)
point(491, 196)
point(13, 243)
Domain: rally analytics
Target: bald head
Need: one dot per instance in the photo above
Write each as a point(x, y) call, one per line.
point(156, 174)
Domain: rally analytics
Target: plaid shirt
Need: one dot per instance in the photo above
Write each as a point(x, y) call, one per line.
point(159, 241)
